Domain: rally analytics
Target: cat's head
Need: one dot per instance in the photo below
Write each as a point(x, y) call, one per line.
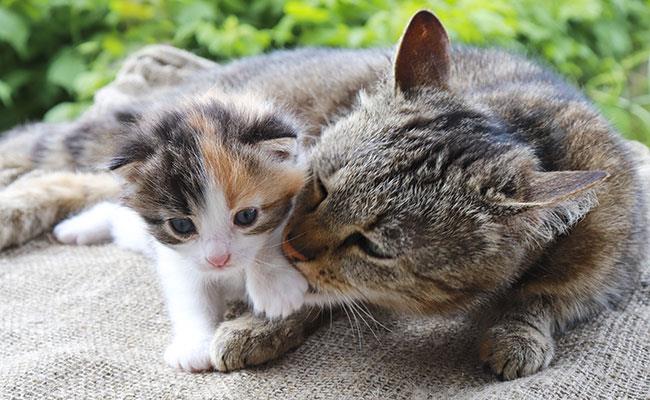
point(212, 178)
point(420, 199)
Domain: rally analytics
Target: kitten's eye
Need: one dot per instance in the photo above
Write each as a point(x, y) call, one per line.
point(366, 245)
point(246, 217)
point(182, 226)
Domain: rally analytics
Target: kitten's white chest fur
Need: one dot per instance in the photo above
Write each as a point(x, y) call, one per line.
point(196, 298)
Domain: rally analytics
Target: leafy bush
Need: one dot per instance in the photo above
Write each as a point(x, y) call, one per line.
point(56, 53)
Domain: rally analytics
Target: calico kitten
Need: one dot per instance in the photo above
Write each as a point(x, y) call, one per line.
point(208, 187)
point(472, 180)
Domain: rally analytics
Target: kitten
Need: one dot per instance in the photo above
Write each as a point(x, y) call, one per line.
point(472, 180)
point(208, 187)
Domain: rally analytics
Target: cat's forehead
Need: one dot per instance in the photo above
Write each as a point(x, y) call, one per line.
point(214, 144)
point(232, 121)
point(426, 159)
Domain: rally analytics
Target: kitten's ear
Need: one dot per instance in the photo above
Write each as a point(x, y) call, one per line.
point(280, 149)
point(550, 188)
point(129, 156)
point(424, 54)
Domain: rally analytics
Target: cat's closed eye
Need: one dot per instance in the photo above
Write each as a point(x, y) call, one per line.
point(366, 245)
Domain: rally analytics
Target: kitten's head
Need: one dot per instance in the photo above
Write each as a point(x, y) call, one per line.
point(421, 200)
point(212, 179)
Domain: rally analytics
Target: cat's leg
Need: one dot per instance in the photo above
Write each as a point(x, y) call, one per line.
point(195, 308)
point(248, 340)
point(32, 204)
point(520, 341)
point(149, 70)
point(274, 287)
point(579, 275)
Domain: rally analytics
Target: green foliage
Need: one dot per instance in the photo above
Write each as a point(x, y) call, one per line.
point(56, 53)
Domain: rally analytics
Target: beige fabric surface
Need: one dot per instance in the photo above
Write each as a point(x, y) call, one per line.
point(89, 322)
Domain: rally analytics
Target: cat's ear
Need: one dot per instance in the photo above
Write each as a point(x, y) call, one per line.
point(550, 188)
point(280, 149)
point(129, 156)
point(552, 203)
point(424, 54)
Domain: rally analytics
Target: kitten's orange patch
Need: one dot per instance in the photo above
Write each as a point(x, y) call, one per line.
point(243, 187)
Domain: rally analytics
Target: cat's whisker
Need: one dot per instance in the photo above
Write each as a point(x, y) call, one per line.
point(363, 310)
point(352, 326)
point(354, 305)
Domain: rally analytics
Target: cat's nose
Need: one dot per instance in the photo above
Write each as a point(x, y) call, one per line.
point(219, 261)
point(300, 247)
point(291, 253)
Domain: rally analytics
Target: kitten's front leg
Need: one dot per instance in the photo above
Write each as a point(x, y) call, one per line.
point(249, 340)
point(520, 343)
point(194, 308)
point(274, 287)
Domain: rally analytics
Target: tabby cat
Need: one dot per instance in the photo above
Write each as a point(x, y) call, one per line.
point(472, 180)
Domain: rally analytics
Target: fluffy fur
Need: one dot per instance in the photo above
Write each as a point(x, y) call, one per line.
point(473, 180)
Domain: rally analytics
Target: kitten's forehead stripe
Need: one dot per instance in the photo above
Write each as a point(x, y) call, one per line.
point(228, 172)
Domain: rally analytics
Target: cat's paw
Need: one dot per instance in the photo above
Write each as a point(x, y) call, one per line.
point(89, 227)
point(248, 341)
point(514, 350)
point(189, 354)
point(278, 295)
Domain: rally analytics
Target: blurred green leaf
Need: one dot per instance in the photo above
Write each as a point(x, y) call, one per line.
point(14, 30)
point(65, 112)
point(65, 68)
point(5, 94)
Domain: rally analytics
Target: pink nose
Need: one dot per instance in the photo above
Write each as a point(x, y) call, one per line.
point(219, 261)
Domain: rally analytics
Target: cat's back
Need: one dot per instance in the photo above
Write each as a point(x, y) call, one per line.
point(318, 84)
point(566, 132)
point(540, 108)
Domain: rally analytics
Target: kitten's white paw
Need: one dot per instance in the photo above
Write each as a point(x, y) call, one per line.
point(278, 295)
point(189, 354)
point(80, 230)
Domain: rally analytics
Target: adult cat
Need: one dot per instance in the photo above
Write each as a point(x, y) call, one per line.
point(472, 180)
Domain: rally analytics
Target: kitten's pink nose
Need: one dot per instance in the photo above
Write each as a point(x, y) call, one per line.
point(219, 261)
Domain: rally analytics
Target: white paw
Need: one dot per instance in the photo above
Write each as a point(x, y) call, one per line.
point(82, 230)
point(189, 354)
point(277, 294)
